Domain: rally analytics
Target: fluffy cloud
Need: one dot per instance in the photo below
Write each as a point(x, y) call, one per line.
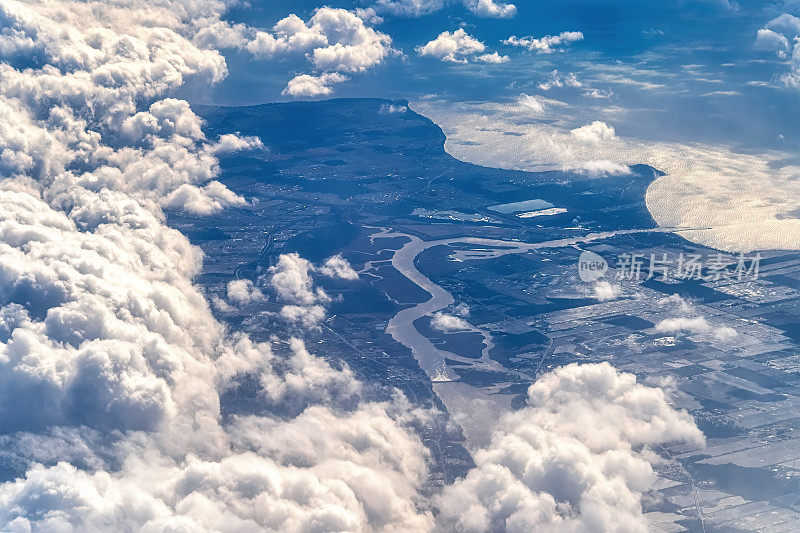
point(676, 302)
point(337, 266)
point(110, 358)
point(334, 40)
point(350, 45)
point(307, 316)
point(311, 86)
point(391, 109)
point(447, 323)
point(593, 133)
point(304, 379)
point(792, 78)
point(577, 458)
point(490, 8)
point(597, 93)
point(781, 36)
point(243, 292)
point(459, 47)
point(546, 44)
point(725, 333)
point(291, 279)
point(786, 23)
point(358, 481)
point(369, 15)
point(771, 41)
point(456, 47)
point(494, 57)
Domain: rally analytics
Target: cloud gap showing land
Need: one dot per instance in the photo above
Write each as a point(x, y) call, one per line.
point(112, 363)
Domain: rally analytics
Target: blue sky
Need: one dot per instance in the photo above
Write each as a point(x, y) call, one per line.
point(684, 71)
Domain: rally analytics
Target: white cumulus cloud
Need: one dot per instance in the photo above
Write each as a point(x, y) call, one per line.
point(338, 267)
point(311, 86)
point(292, 280)
point(494, 57)
point(490, 8)
point(593, 133)
point(781, 35)
point(546, 44)
point(771, 41)
point(334, 40)
point(294, 285)
point(447, 323)
point(243, 292)
point(456, 47)
point(576, 458)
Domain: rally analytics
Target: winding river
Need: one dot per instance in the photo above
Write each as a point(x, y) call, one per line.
point(474, 408)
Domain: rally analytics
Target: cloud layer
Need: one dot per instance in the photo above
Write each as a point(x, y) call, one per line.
point(730, 201)
point(112, 364)
point(109, 355)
